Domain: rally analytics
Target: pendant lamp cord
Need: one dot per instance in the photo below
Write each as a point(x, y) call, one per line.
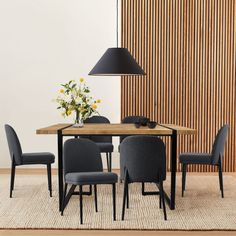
point(117, 24)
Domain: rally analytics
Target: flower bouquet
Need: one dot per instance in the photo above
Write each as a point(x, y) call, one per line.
point(75, 98)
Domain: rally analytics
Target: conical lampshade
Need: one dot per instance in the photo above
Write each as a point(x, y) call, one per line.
point(117, 61)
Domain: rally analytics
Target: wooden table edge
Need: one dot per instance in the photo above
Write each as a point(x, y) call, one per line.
point(53, 129)
point(49, 130)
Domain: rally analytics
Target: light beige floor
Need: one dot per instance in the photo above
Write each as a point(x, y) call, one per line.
point(104, 232)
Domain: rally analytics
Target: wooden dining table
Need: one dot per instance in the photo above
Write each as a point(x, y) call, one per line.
point(170, 130)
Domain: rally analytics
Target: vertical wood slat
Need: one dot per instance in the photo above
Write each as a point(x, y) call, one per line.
point(188, 50)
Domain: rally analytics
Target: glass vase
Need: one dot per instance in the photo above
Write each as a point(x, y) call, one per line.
point(79, 122)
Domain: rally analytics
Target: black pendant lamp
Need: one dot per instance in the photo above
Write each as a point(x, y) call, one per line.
point(117, 61)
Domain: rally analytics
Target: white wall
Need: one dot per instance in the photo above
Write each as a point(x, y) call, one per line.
point(44, 43)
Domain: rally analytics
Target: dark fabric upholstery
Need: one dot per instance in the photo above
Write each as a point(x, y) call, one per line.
point(215, 158)
point(219, 144)
point(19, 158)
point(81, 155)
point(38, 158)
point(85, 178)
point(83, 163)
point(25, 158)
point(105, 147)
point(129, 120)
point(195, 158)
point(144, 157)
point(99, 120)
point(14, 145)
point(205, 158)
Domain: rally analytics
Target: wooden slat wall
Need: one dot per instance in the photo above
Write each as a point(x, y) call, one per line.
point(188, 50)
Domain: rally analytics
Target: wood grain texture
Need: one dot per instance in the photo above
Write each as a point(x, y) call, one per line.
point(181, 129)
point(188, 50)
point(115, 129)
point(52, 129)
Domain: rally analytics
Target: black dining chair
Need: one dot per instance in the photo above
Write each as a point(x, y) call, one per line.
point(104, 142)
point(214, 158)
point(18, 158)
point(144, 159)
point(83, 166)
point(130, 120)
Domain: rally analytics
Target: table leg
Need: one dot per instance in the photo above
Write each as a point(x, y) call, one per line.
point(173, 168)
point(60, 167)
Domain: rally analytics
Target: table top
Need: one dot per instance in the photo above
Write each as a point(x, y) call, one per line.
point(115, 129)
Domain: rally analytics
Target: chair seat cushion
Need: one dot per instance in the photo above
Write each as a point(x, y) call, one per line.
point(105, 147)
point(84, 178)
point(38, 158)
point(195, 158)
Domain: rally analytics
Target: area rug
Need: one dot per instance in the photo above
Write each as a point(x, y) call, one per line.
point(202, 208)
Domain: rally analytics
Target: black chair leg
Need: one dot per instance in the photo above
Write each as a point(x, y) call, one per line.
point(143, 188)
point(159, 197)
point(221, 180)
point(127, 197)
point(124, 196)
point(110, 162)
point(64, 199)
point(95, 198)
point(184, 171)
point(49, 179)
point(114, 200)
point(81, 203)
point(90, 190)
point(13, 171)
point(163, 199)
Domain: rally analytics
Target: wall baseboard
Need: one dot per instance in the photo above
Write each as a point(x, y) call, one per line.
point(43, 171)
point(36, 171)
